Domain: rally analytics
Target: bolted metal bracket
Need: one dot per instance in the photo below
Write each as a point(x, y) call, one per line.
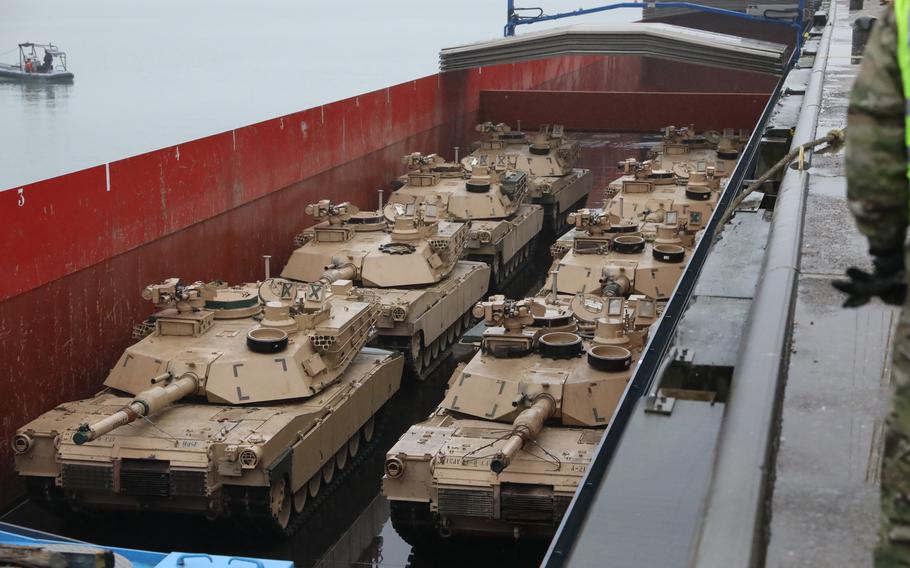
point(660, 404)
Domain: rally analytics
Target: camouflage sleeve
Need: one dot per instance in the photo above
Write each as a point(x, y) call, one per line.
point(876, 152)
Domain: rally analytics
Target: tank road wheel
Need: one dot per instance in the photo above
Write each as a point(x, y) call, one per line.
point(434, 347)
point(417, 353)
point(328, 471)
point(368, 429)
point(341, 457)
point(314, 484)
point(450, 334)
point(280, 503)
point(300, 498)
point(354, 445)
point(496, 267)
point(427, 356)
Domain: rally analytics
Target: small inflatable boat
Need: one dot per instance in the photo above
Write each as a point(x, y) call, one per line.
point(48, 67)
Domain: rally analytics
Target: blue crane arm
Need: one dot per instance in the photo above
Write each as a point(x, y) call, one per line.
point(513, 20)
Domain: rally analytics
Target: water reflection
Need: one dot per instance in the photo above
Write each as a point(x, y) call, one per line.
point(35, 93)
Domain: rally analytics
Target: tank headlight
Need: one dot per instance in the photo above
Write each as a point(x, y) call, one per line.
point(21, 443)
point(249, 457)
point(399, 313)
point(394, 467)
point(484, 236)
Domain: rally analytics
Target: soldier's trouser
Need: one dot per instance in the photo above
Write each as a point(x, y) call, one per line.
point(894, 535)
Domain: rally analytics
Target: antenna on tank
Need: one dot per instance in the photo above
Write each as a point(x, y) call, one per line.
point(519, 126)
point(268, 271)
point(456, 154)
point(380, 200)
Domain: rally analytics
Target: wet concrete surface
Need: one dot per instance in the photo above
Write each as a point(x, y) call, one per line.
point(824, 509)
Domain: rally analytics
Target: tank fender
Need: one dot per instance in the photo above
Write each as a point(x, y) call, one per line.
point(432, 323)
point(280, 467)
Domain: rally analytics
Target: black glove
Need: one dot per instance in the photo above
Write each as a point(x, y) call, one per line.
point(887, 281)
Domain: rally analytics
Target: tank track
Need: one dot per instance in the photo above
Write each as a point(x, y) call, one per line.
point(42, 490)
point(403, 344)
point(413, 522)
point(250, 505)
point(505, 273)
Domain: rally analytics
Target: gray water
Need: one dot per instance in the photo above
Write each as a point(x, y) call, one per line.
point(151, 74)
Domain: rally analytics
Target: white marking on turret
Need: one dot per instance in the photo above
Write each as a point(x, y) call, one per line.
point(177, 152)
point(107, 177)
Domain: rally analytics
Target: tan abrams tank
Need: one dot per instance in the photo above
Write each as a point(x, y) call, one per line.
point(548, 158)
point(412, 270)
point(687, 183)
point(645, 201)
point(602, 258)
point(640, 242)
point(682, 150)
point(504, 452)
point(223, 409)
point(504, 227)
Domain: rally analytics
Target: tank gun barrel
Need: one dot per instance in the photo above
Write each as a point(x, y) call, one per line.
point(526, 426)
point(145, 403)
point(340, 269)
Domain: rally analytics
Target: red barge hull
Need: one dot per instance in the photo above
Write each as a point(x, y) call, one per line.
point(78, 249)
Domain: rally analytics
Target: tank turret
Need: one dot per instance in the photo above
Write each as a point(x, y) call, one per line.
point(238, 401)
point(414, 250)
point(492, 198)
point(549, 158)
point(328, 334)
point(447, 191)
point(507, 447)
point(408, 264)
point(610, 260)
point(686, 184)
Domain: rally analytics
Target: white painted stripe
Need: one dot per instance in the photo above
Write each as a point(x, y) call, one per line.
point(107, 176)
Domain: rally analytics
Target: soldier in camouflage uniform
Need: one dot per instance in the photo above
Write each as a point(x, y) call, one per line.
point(879, 199)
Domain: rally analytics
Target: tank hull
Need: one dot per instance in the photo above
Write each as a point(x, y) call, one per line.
point(436, 317)
point(566, 194)
point(181, 460)
point(507, 250)
point(457, 497)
